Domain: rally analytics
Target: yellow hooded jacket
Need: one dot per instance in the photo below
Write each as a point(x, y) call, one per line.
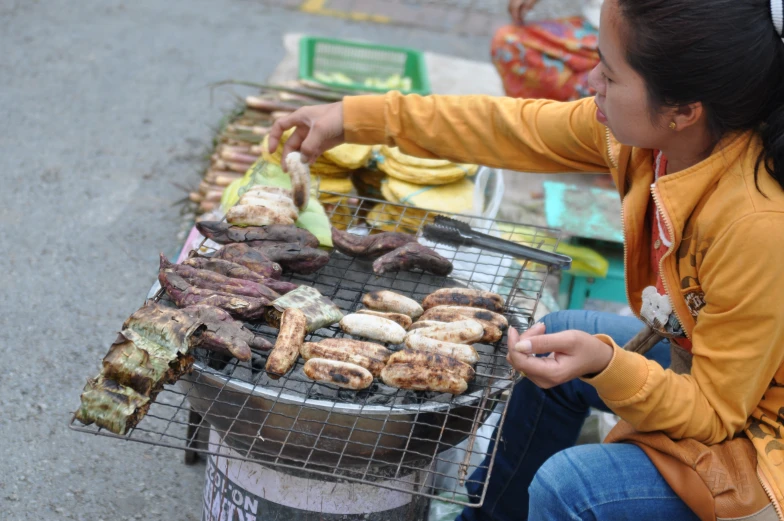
point(721, 272)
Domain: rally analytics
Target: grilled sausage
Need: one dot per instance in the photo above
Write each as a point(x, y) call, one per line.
point(462, 352)
point(368, 349)
point(374, 328)
point(293, 327)
point(461, 369)
point(458, 332)
point(310, 350)
point(342, 374)
point(419, 377)
point(392, 302)
point(464, 297)
point(404, 320)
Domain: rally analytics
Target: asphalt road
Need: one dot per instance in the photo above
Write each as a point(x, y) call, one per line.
point(104, 114)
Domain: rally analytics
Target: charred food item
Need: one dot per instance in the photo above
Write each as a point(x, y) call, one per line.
point(185, 295)
point(295, 258)
point(300, 179)
point(342, 374)
point(458, 332)
point(369, 246)
point(374, 328)
point(112, 406)
point(344, 353)
point(413, 256)
point(206, 279)
point(238, 271)
point(318, 309)
point(293, 327)
point(404, 320)
point(358, 346)
point(224, 233)
point(226, 335)
point(257, 215)
point(462, 352)
point(435, 360)
point(473, 298)
point(251, 258)
point(421, 377)
point(422, 324)
point(391, 302)
point(494, 323)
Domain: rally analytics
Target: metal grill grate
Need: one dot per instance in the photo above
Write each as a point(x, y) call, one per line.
point(380, 436)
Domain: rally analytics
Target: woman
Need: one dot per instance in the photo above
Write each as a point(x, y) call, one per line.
point(549, 59)
point(689, 120)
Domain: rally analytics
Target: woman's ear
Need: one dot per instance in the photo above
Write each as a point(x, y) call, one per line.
point(686, 116)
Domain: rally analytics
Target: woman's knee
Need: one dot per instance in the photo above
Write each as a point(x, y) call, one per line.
point(555, 490)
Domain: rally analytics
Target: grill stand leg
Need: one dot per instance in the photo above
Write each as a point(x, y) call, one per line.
point(197, 438)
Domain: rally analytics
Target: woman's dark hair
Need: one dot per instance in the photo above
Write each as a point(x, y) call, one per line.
point(723, 53)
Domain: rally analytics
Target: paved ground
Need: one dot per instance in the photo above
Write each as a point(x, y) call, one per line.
point(105, 115)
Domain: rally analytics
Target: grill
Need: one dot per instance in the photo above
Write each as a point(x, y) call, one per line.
point(379, 436)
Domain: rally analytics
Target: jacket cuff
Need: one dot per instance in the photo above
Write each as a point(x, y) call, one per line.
point(363, 119)
point(623, 377)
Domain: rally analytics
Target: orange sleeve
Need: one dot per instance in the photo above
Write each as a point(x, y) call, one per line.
point(517, 134)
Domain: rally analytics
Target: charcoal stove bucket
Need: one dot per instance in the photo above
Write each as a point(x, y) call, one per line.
point(250, 491)
point(260, 423)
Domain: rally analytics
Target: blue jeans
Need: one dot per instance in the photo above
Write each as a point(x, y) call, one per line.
point(538, 474)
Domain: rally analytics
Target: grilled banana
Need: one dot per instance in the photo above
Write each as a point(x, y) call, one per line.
point(283, 207)
point(392, 302)
point(374, 328)
point(464, 297)
point(342, 374)
point(368, 349)
point(453, 365)
point(462, 352)
point(459, 332)
point(300, 179)
point(421, 324)
point(293, 326)
point(310, 350)
point(404, 320)
point(419, 377)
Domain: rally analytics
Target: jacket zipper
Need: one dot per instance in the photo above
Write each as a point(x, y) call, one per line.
point(614, 164)
point(658, 207)
point(764, 483)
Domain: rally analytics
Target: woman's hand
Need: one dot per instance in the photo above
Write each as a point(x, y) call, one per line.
point(319, 128)
point(571, 354)
point(519, 9)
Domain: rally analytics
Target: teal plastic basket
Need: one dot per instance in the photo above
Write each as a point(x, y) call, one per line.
point(366, 67)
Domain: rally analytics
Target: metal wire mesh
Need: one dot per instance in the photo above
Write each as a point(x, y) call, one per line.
point(380, 436)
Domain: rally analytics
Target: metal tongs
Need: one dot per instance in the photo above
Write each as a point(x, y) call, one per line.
point(452, 231)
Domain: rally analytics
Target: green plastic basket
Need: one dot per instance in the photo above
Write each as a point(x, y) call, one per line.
point(362, 67)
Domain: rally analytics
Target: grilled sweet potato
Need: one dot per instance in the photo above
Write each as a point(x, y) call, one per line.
point(184, 295)
point(224, 233)
point(369, 246)
point(226, 335)
point(251, 258)
point(413, 256)
point(295, 258)
point(238, 271)
point(206, 279)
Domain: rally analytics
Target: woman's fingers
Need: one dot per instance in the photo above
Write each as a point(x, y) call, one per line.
point(318, 128)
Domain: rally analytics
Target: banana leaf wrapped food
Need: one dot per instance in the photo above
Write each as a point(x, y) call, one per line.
point(111, 405)
point(319, 310)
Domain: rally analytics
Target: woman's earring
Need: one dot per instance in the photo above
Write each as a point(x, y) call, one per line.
point(673, 125)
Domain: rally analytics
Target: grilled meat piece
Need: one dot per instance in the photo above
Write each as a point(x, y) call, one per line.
point(342, 374)
point(369, 246)
point(413, 256)
point(391, 302)
point(473, 298)
point(293, 327)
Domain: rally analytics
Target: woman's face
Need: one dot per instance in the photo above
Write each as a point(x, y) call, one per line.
point(621, 96)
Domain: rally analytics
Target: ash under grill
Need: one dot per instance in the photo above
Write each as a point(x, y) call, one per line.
point(377, 436)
